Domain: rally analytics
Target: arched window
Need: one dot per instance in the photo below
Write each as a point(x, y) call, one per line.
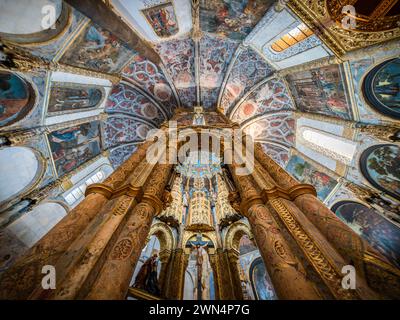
point(20, 169)
point(380, 166)
point(382, 234)
point(333, 146)
point(17, 98)
point(294, 36)
point(381, 88)
point(77, 194)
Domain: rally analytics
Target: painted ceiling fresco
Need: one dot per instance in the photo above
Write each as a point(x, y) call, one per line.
point(307, 173)
point(97, 49)
point(121, 153)
point(278, 153)
point(124, 129)
point(271, 96)
point(127, 100)
point(233, 19)
point(321, 91)
point(151, 78)
point(278, 127)
point(215, 55)
point(248, 69)
point(179, 58)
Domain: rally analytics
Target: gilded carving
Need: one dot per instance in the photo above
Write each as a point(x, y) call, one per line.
point(122, 249)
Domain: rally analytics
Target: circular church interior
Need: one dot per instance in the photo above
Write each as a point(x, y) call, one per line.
point(199, 150)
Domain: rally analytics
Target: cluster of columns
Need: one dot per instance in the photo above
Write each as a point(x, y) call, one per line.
point(95, 248)
point(288, 221)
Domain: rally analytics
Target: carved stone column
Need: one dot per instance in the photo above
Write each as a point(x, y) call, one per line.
point(233, 259)
point(165, 259)
point(287, 274)
point(223, 276)
point(348, 244)
point(215, 267)
point(174, 284)
point(24, 277)
point(114, 277)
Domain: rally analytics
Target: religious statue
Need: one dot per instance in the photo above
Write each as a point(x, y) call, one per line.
point(202, 267)
point(146, 279)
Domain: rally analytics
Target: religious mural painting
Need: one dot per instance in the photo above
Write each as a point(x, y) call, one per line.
point(162, 19)
point(16, 98)
point(233, 19)
point(75, 145)
point(380, 166)
point(381, 88)
point(382, 234)
point(97, 49)
point(70, 98)
point(246, 245)
point(321, 91)
point(306, 173)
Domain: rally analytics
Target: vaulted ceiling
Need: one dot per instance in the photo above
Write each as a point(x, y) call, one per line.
point(240, 57)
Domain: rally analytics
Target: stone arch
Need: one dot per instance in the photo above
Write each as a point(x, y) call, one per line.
point(27, 29)
point(17, 98)
point(164, 235)
point(235, 232)
point(21, 169)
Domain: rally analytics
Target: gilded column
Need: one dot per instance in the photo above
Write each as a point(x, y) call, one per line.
point(287, 274)
point(176, 275)
point(215, 267)
point(233, 260)
point(115, 275)
point(223, 276)
point(165, 259)
point(348, 244)
point(25, 276)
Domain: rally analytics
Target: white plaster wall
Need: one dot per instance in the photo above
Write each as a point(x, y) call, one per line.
point(32, 226)
point(59, 76)
point(18, 168)
point(25, 16)
point(131, 12)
